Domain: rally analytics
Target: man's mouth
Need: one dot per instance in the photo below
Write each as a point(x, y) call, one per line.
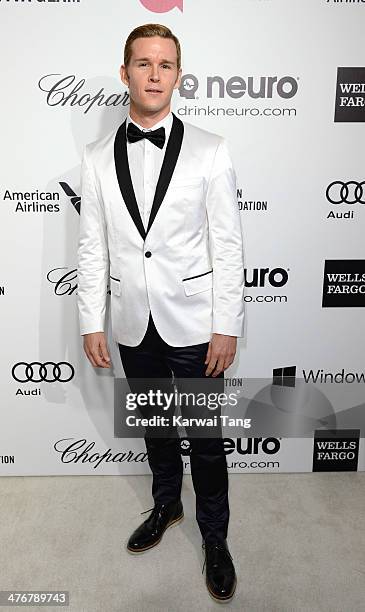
point(154, 91)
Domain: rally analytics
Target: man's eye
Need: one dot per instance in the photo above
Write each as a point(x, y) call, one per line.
point(167, 66)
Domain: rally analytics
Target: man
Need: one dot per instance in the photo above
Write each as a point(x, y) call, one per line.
point(159, 217)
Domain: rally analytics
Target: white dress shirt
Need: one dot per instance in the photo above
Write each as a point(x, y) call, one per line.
point(145, 161)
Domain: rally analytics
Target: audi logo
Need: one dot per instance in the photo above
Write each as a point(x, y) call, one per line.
point(47, 372)
point(345, 193)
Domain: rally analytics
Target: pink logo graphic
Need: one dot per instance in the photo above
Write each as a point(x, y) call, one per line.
point(162, 6)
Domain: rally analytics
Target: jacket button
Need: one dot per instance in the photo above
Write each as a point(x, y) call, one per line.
point(148, 254)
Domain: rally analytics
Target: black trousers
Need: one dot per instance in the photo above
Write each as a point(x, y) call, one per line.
point(154, 358)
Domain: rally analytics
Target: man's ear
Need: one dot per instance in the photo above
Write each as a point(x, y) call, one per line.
point(178, 79)
point(124, 75)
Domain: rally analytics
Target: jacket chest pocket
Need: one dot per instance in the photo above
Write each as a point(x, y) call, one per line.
point(187, 188)
point(114, 285)
point(199, 283)
point(187, 198)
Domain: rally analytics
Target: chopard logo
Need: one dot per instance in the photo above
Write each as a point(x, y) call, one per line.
point(63, 285)
point(82, 451)
point(64, 91)
point(47, 372)
point(338, 192)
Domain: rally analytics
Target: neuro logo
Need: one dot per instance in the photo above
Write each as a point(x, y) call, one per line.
point(162, 6)
point(75, 199)
point(258, 277)
point(284, 377)
point(185, 448)
point(236, 86)
point(189, 85)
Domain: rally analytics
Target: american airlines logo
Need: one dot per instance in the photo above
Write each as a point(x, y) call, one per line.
point(73, 197)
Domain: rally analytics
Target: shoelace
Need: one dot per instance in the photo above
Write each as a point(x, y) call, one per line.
point(156, 511)
point(147, 510)
point(218, 547)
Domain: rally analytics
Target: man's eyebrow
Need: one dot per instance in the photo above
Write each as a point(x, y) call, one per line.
point(147, 59)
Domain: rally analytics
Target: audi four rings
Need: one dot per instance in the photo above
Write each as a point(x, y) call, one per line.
point(46, 372)
point(342, 192)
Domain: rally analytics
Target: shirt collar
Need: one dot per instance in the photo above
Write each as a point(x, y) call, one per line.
point(166, 122)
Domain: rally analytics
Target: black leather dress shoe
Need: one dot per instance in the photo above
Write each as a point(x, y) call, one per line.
point(150, 532)
point(221, 579)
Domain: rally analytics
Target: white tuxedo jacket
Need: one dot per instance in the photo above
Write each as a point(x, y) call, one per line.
point(187, 267)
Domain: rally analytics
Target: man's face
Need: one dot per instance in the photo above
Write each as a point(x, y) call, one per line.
point(152, 73)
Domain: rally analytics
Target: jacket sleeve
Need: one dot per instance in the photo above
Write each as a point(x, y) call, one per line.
point(226, 245)
point(92, 254)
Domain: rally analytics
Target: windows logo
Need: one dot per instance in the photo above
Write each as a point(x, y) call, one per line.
point(284, 377)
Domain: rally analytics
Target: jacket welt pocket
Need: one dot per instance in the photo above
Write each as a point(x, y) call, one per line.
point(114, 285)
point(186, 183)
point(198, 283)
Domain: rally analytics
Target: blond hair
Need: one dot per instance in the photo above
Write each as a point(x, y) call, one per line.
point(146, 31)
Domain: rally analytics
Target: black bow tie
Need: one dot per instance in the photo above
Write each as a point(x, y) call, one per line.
point(156, 136)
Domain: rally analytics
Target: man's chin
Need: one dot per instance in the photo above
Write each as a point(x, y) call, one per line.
point(152, 107)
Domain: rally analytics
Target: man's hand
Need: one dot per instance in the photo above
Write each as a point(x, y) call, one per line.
point(96, 349)
point(220, 355)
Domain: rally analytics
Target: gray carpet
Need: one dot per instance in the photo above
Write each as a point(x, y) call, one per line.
point(297, 541)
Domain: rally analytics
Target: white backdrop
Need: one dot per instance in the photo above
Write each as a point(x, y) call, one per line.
point(61, 90)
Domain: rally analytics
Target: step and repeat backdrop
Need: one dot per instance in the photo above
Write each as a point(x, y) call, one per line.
point(284, 82)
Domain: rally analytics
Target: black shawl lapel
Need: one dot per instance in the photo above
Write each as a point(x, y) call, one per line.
point(124, 176)
point(168, 166)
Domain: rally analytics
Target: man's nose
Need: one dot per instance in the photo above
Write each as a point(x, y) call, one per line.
point(154, 75)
